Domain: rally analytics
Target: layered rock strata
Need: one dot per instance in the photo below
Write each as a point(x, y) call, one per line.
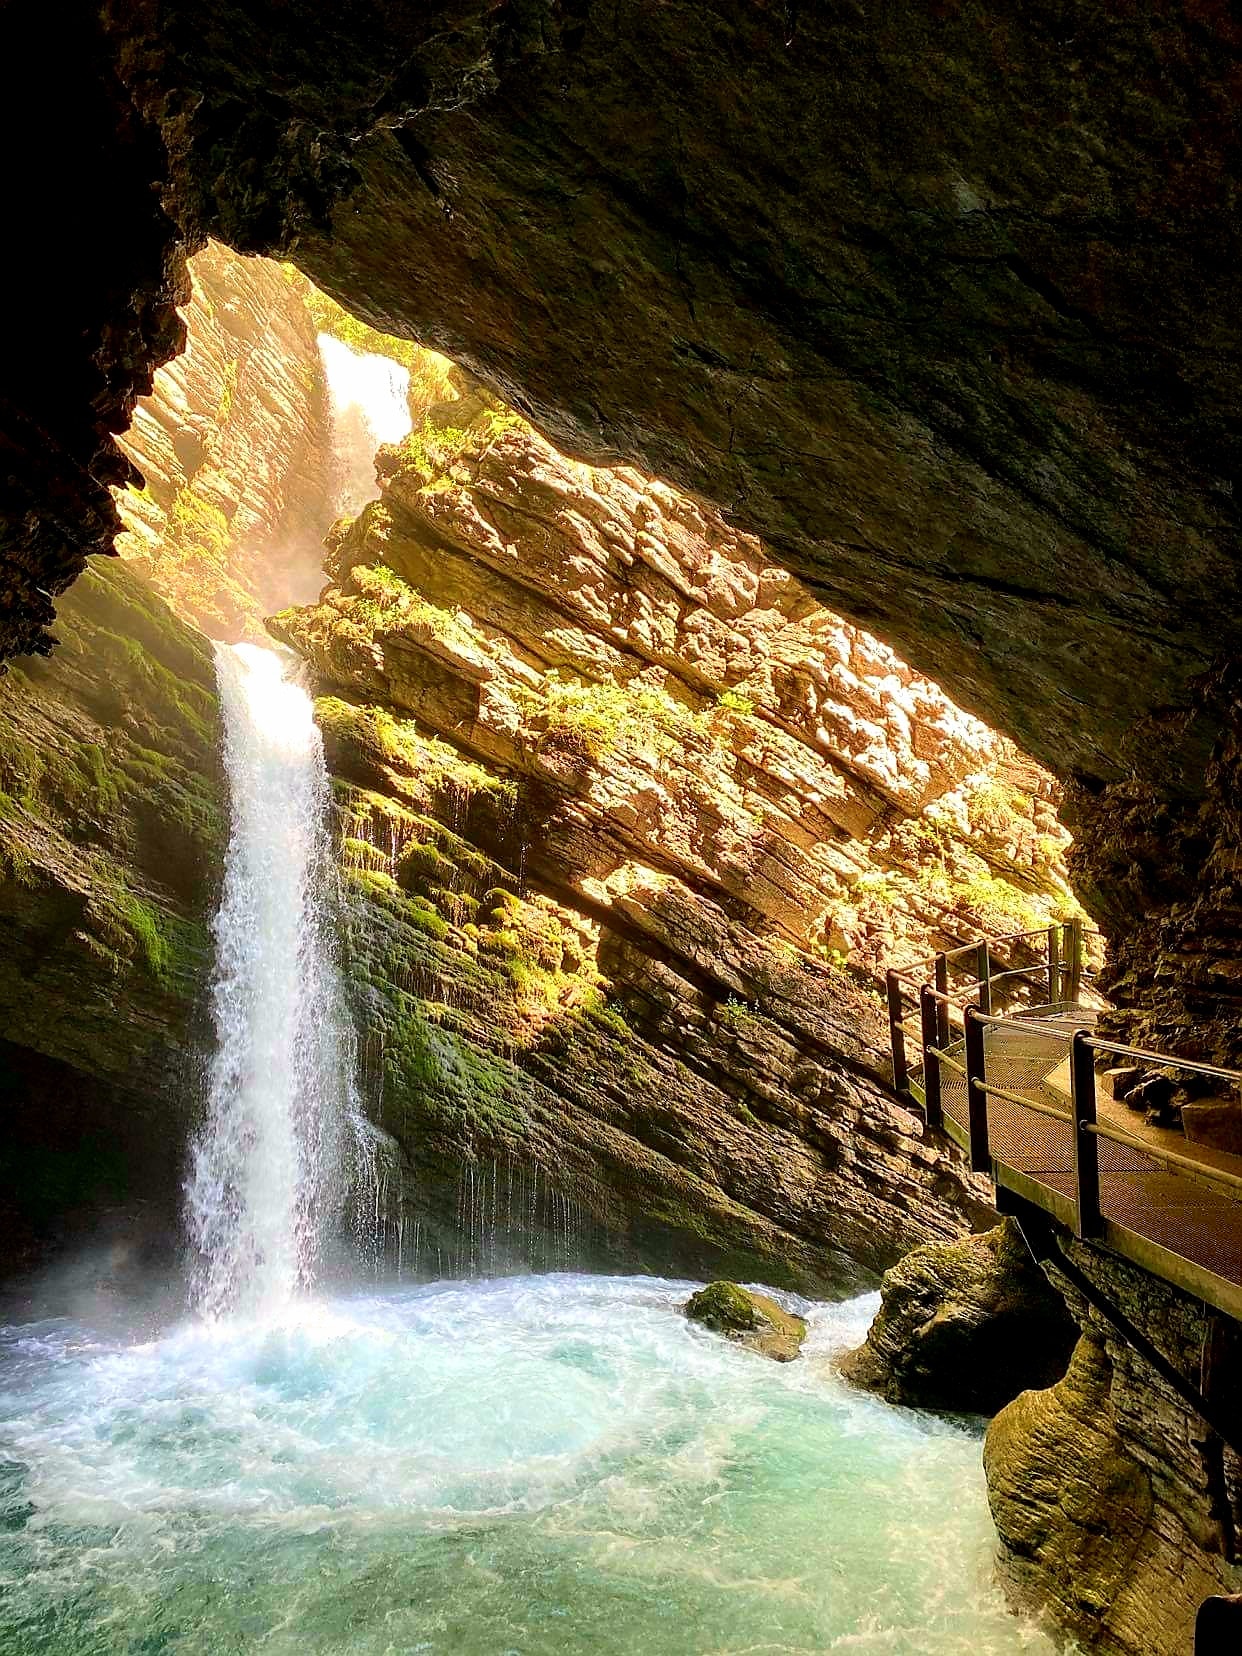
point(965, 1326)
point(234, 446)
point(622, 802)
point(949, 317)
point(620, 649)
point(112, 829)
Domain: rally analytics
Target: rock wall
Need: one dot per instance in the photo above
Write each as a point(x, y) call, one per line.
point(609, 641)
point(1117, 1507)
point(235, 448)
point(964, 1326)
point(112, 831)
point(630, 825)
point(634, 825)
point(1166, 878)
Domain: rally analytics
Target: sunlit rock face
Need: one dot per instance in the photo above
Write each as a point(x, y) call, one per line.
point(942, 303)
point(235, 449)
point(679, 700)
point(634, 826)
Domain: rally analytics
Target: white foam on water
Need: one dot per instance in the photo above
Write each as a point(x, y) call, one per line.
point(539, 1464)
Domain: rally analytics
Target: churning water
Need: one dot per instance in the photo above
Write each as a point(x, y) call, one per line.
point(270, 1170)
point(368, 398)
point(539, 1465)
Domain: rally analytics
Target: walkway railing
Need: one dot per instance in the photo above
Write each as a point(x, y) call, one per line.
point(1005, 1062)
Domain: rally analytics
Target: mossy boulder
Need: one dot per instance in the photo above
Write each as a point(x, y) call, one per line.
point(749, 1319)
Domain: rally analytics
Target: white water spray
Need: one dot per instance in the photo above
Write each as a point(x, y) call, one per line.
point(368, 396)
point(265, 1181)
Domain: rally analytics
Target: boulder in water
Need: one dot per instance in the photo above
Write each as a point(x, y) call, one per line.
point(964, 1325)
point(751, 1319)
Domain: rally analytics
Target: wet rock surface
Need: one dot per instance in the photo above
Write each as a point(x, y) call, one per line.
point(748, 1318)
point(113, 823)
point(1117, 1507)
point(965, 1326)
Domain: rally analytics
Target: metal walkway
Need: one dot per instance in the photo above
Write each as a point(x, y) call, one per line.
point(1018, 1091)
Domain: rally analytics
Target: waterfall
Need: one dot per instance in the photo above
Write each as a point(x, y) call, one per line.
point(268, 1176)
point(369, 403)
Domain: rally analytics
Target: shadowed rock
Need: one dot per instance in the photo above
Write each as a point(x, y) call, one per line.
point(964, 1325)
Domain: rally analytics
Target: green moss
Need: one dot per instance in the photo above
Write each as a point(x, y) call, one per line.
point(432, 1076)
point(433, 766)
point(432, 451)
point(599, 717)
point(736, 1015)
point(425, 862)
point(733, 701)
point(330, 318)
point(723, 1306)
point(196, 526)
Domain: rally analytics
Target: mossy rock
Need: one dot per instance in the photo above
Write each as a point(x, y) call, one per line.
point(965, 1326)
point(749, 1319)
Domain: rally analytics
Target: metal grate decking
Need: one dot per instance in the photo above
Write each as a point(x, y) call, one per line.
point(1176, 1211)
point(1173, 1210)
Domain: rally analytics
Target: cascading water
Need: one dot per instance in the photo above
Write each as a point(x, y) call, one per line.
point(267, 1172)
point(368, 395)
point(561, 1465)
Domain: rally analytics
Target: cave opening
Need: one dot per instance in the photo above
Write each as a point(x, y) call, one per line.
point(934, 317)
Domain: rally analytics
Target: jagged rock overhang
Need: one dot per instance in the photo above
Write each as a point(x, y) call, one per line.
point(941, 303)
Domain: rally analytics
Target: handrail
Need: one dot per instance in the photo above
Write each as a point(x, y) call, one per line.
point(1157, 1152)
point(949, 1035)
point(1194, 1065)
point(913, 966)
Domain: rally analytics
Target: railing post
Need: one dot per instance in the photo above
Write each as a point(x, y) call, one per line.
point(983, 974)
point(976, 1098)
point(1086, 1145)
point(944, 1033)
point(1072, 939)
point(929, 1008)
point(1054, 965)
point(897, 1036)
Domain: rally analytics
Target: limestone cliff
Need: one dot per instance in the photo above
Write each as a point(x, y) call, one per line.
point(630, 824)
point(1117, 1506)
point(622, 804)
point(612, 643)
point(112, 827)
point(235, 448)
